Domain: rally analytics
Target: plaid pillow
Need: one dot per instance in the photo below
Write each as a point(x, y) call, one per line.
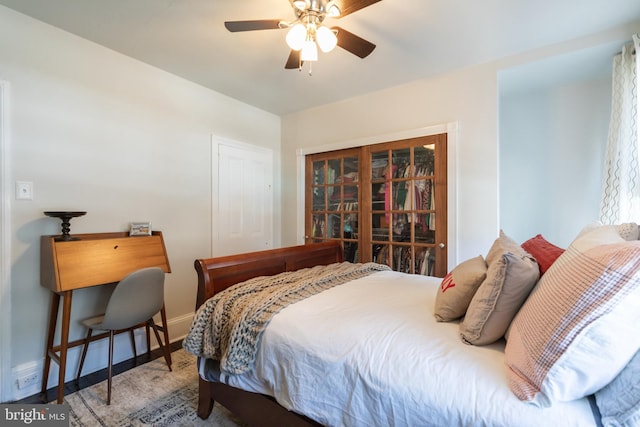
point(578, 328)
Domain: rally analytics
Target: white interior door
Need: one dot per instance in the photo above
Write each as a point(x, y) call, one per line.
point(243, 217)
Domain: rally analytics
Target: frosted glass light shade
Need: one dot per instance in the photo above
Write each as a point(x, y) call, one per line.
point(300, 4)
point(333, 10)
point(326, 39)
point(309, 51)
point(296, 36)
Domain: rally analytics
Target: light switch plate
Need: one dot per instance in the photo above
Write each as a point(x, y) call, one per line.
point(24, 190)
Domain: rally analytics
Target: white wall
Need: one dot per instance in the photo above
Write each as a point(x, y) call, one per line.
point(552, 143)
point(97, 131)
point(467, 97)
point(470, 98)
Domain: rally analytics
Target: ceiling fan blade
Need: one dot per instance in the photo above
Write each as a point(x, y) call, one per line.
point(293, 62)
point(262, 24)
point(349, 6)
point(354, 44)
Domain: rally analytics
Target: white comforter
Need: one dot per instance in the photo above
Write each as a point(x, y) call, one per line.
point(406, 370)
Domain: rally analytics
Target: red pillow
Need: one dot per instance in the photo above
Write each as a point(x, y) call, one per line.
point(544, 252)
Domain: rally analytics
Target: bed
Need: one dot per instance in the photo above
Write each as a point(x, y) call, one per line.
point(406, 368)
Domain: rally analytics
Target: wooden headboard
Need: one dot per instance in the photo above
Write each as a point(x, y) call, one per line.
point(217, 274)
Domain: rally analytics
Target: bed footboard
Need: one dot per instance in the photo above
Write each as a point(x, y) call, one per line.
point(205, 399)
point(252, 408)
point(217, 274)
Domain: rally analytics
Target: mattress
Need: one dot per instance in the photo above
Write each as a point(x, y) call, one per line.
point(370, 353)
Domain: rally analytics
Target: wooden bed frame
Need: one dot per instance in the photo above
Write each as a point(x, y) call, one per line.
point(217, 274)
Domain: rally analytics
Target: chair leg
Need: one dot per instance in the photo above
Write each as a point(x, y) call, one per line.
point(85, 347)
point(133, 346)
point(148, 335)
point(165, 328)
point(164, 347)
point(110, 369)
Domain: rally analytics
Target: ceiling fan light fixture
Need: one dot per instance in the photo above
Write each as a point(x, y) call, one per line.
point(326, 39)
point(300, 4)
point(333, 11)
point(306, 33)
point(309, 51)
point(296, 36)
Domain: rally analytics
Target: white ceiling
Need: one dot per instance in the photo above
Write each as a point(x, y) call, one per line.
point(415, 39)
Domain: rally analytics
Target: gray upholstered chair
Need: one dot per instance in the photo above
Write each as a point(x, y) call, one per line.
point(134, 301)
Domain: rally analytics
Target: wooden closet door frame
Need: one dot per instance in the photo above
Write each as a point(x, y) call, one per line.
point(450, 128)
point(441, 243)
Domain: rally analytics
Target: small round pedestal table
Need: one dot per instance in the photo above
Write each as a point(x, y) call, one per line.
point(65, 217)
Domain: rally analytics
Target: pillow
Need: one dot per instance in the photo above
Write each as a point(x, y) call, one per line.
point(510, 278)
point(457, 289)
point(619, 401)
point(502, 245)
point(578, 328)
point(628, 230)
point(544, 252)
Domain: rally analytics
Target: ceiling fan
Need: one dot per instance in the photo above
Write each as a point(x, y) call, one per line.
point(307, 32)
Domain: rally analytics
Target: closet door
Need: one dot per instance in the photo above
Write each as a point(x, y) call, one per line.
point(407, 221)
point(333, 199)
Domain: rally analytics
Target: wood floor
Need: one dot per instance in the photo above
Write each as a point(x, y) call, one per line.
point(98, 376)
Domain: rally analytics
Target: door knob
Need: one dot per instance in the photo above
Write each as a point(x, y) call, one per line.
point(441, 245)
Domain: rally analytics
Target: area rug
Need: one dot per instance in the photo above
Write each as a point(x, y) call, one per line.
point(147, 395)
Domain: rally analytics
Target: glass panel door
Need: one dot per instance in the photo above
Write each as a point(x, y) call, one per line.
point(404, 206)
point(335, 195)
point(385, 203)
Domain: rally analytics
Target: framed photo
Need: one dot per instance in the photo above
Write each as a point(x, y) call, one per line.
point(140, 229)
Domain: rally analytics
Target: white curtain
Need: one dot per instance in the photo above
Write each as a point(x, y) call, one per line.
point(621, 179)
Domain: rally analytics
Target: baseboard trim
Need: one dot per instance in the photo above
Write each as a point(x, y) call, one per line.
point(97, 358)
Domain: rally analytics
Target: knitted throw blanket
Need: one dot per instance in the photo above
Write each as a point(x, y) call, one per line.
point(228, 326)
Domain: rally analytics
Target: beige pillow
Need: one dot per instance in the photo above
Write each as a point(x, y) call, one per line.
point(458, 287)
point(502, 245)
point(510, 277)
point(578, 328)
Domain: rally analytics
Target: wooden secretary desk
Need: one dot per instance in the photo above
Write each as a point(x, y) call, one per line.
point(85, 261)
